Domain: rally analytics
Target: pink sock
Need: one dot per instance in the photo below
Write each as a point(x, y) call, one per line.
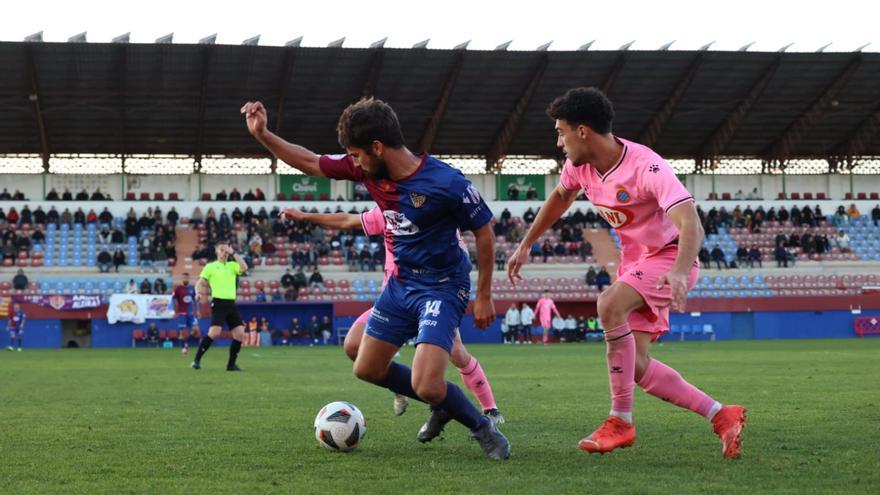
point(665, 383)
point(621, 356)
point(476, 382)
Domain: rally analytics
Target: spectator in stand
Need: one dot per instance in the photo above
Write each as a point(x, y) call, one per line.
point(792, 255)
point(529, 216)
point(105, 260)
point(105, 217)
point(249, 196)
point(314, 330)
point(92, 217)
point(160, 257)
point(12, 217)
point(196, 218)
point(840, 217)
point(147, 255)
point(739, 196)
point(5, 196)
point(842, 241)
point(152, 335)
point(527, 317)
point(79, 217)
point(52, 216)
point(531, 193)
point(287, 279)
point(366, 258)
point(875, 215)
point(326, 329)
point(742, 255)
point(512, 192)
point(546, 250)
point(754, 195)
point(38, 237)
point(795, 215)
point(146, 287)
point(296, 330)
point(118, 259)
point(853, 212)
point(82, 195)
point(66, 195)
point(52, 195)
point(97, 195)
point(718, 257)
point(26, 216)
point(603, 279)
point(500, 259)
point(782, 216)
point(39, 215)
point(299, 279)
point(755, 256)
point(132, 287)
point(585, 250)
point(8, 250)
point(20, 280)
point(261, 296)
point(781, 255)
point(172, 217)
point(316, 280)
point(221, 196)
point(590, 277)
point(159, 286)
point(234, 195)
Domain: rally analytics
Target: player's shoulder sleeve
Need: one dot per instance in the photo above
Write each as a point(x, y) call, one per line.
point(340, 167)
point(472, 211)
point(373, 221)
point(660, 181)
point(568, 179)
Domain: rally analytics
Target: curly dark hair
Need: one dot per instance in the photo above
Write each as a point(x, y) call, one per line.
point(366, 121)
point(584, 106)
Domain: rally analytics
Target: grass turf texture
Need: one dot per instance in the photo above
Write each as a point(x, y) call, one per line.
point(142, 421)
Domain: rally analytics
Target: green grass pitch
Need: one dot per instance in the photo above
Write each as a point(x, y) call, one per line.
point(142, 421)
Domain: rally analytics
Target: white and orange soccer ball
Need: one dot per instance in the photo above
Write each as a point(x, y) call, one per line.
point(340, 426)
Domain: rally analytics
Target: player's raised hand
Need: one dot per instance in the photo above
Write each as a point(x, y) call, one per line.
point(519, 258)
point(484, 311)
point(255, 114)
point(678, 284)
point(293, 214)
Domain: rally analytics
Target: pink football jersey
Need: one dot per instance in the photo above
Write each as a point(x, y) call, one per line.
point(634, 197)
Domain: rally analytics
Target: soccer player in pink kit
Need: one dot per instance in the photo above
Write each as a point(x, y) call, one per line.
point(373, 223)
point(654, 215)
point(545, 309)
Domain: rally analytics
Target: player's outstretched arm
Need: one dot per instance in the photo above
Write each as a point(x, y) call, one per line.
point(342, 221)
point(556, 204)
point(484, 308)
point(294, 155)
point(690, 238)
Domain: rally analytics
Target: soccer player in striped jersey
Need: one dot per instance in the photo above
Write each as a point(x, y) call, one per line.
point(425, 201)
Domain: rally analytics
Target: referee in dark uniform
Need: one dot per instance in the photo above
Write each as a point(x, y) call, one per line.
point(221, 276)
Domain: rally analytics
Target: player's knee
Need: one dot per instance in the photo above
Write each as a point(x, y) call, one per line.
point(432, 393)
point(459, 357)
point(351, 349)
point(611, 312)
point(367, 373)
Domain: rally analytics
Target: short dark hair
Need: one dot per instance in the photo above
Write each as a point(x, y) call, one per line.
point(584, 106)
point(366, 121)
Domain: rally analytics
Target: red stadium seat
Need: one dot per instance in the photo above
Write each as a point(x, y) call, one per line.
point(163, 334)
point(158, 196)
point(129, 196)
point(820, 195)
point(795, 195)
point(309, 197)
point(259, 284)
point(281, 197)
point(324, 197)
point(808, 195)
point(206, 196)
point(725, 196)
point(330, 284)
point(875, 196)
point(780, 195)
point(172, 196)
point(861, 195)
point(145, 196)
point(295, 197)
point(847, 196)
point(344, 284)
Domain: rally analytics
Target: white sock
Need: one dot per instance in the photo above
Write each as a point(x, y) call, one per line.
point(626, 416)
point(712, 412)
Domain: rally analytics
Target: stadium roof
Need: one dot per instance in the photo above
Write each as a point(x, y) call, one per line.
point(125, 99)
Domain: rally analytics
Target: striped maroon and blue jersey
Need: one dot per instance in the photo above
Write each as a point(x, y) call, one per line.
point(422, 212)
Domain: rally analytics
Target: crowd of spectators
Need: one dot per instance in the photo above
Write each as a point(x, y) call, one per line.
point(83, 195)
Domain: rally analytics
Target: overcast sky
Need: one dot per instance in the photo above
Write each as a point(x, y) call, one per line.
point(847, 24)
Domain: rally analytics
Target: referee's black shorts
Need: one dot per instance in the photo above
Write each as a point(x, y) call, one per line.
point(225, 311)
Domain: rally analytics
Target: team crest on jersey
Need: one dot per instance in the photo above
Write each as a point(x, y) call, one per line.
point(417, 199)
point(616, 217)
point(623, 195)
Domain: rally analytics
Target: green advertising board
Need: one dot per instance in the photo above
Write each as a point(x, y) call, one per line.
point(304, 184)
point(522, 183)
